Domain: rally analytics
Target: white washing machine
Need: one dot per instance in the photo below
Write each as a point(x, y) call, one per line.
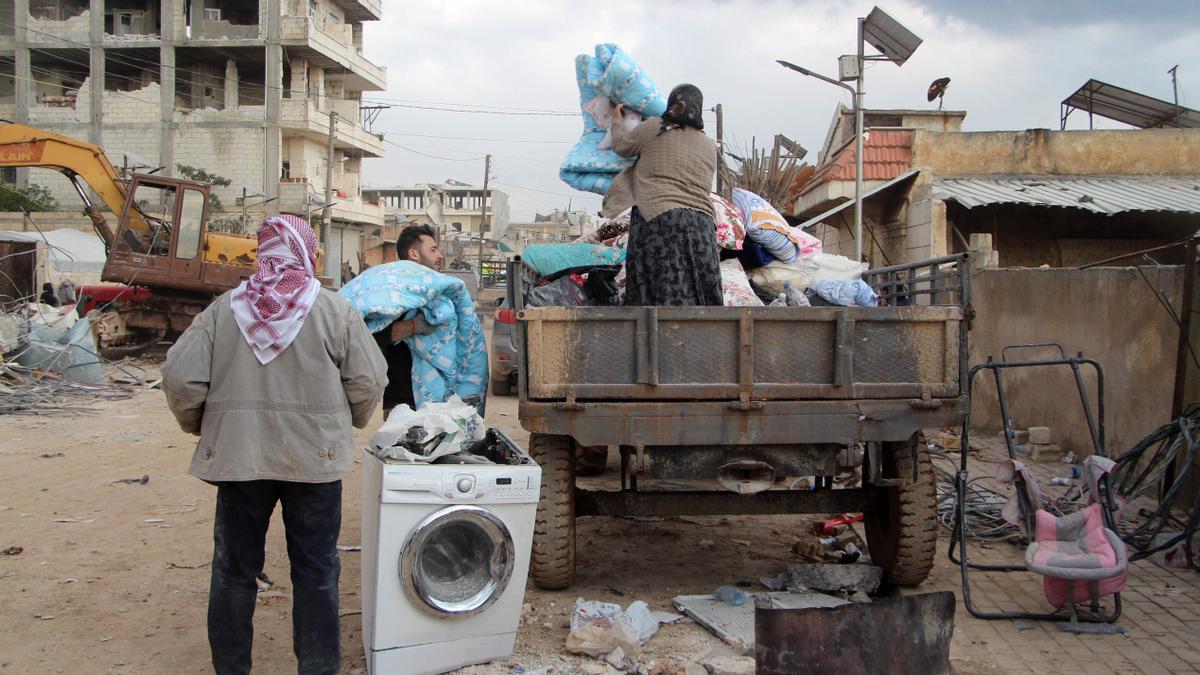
point(445, 554)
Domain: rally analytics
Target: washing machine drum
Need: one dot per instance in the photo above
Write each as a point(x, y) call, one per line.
point(457, 561)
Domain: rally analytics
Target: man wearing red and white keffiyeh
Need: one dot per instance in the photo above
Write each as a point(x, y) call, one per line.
point(271, 305)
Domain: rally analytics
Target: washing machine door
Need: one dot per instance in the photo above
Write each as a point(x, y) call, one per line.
point(457, 561)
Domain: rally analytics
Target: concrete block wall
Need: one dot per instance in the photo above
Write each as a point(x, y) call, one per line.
point(76, 29)
point(1109, 314)
point(235, 153)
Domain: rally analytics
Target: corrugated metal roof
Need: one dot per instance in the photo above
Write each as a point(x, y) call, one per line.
point(1100, 194)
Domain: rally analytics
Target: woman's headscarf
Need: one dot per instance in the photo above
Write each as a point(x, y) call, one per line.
point(270, 306)
point(693, 107)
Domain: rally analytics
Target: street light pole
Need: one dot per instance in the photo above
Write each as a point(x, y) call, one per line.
point(858, 149)
point(856, 94)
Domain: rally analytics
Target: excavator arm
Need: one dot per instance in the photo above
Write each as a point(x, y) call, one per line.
point(23, 146)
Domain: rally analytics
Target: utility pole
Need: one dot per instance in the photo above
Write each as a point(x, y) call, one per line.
point(1174, 73)
point(333, 254)
point(487, 172)
point(327, 210)
point(720, 147)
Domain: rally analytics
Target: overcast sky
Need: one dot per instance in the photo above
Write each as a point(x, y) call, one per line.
point(1011, 62)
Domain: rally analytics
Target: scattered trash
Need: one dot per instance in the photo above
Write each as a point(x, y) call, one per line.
point(614, 590)
point(735, 623)
point(178, 566)
point(74, 520)
point(1024, 624)
point(1070, 458)
point(132, 481)
point(729, 595)
point(70, 580)
point(263, 582)
point(707, 544)
point(152, 521)
point(437, 430)
point(826, 528)
point(349, 549)
point(598, 628)
point(13, 550)
point(777, 583)
point(349, 612)
point(850, 555)
point(618, 659)
point(808, 551)
point(106, 638)
point(834, 578)
point(51, 455)
point(43, 617)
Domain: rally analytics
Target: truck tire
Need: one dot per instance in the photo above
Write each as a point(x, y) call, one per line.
point(553, 561)
point(591, 460)
point(501, 387)
point(901, 522)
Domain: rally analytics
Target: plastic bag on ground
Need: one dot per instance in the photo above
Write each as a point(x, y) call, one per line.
point(459, 421)
point(597, 628)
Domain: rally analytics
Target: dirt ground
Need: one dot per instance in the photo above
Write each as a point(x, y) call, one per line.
point(114, 576)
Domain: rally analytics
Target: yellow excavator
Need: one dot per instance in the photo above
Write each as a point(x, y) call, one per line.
point(167, 265)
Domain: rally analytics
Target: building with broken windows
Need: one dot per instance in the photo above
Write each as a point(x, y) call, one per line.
point(455, 207)
point(239, 91)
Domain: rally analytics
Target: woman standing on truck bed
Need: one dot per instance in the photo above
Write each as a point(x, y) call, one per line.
point(672, 256)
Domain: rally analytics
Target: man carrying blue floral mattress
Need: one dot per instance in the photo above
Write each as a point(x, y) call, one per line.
point(417, 243)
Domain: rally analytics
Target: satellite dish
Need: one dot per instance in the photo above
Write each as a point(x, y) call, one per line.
point(937, 89)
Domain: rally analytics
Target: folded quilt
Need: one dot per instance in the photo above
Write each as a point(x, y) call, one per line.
point(452, 360)
point(550, 260)
point(611, 75)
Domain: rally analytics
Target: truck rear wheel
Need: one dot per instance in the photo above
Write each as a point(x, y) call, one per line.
point(553, 560)
point(591, 460)
point(901, 522)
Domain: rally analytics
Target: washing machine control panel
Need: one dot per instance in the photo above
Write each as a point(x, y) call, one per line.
point(458, 484)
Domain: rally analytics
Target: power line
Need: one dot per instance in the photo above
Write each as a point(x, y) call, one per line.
point(476, 111)
point(423, 154)
point(467, 138)
point(474, 105)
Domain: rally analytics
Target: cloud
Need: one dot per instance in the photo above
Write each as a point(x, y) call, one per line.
point(1010, 65)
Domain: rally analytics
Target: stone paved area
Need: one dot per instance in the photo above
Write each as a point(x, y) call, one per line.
point(1161, 614)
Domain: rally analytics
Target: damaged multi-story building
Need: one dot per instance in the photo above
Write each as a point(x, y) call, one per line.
point(242, 90)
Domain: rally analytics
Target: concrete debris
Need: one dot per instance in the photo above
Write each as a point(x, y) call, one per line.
point(618, 659)
point(834, 578)
point(729, 665)
point(735, 623)
point(13, 550)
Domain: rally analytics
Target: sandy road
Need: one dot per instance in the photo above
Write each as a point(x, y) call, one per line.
point(114, 576)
